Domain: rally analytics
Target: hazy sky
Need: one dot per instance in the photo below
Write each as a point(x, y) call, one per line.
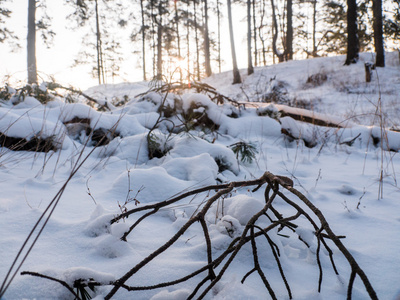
point(57, 60)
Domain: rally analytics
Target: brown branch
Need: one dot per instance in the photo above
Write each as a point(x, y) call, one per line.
point(275, 252)
point(164, 203)
point(350, 286)
point(63, 283)
point(324, 224)
point(257, 264)
point(243, 240)
point(198, 86)
point(80, 93)
point(164, 247)
point(123, 238)
point(248, 235)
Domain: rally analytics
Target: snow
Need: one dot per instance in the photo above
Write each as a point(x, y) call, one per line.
point(337, 169)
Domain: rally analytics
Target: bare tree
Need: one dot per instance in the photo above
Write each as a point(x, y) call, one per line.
point(31, 42)
point(255, 33)
point(143, 30)
point(160, 29)
point(275, 34)
point(236, 73)
point(206, 41)
point(219, 35)
point(250, 68)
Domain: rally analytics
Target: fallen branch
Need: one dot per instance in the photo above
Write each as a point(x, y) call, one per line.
point(63, 283)
point(200, 87)
point(105, 106)
point(215, 267)
point(250, 234)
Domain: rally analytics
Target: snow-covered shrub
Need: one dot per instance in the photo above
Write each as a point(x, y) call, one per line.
point(317, 79)
point(269, 111)
point(198, 112)
point(43, 93)
point(157, 145)
point(277, 92)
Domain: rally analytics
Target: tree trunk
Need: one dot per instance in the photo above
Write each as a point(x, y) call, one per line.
point(275, 34)
point(353, 46)
point(219, 36)
point(250, 68)
point(206, 41)
point(153, 38)
point(289, 31)
point(197, 41)
point(255, 34)
point(314, 33)
point(159, 43)
point(260, 34)
point(236, 74)
point(100, 66)
point(378, 33)
point(178, 38)
point(188, 44)
point(31, 43)
point(143, 41)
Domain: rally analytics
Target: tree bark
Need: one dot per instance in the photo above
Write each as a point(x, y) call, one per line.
point(207, 41)
point(255, 34)
point(275, 35)
point(197, 41)
point(178, 38)
point(100, 66)
point(143, 41)
point(289, 31)
point(153, 36)
point(260, 34)
point(219, 36)
point(188, 44)
point(314, 33)
point(31, 43)
point(159, 43)
point(378, 33)
point(250, 68)
point(236, 73)
point(353, 46)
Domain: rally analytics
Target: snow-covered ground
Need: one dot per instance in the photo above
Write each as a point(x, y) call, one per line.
point(349, 173)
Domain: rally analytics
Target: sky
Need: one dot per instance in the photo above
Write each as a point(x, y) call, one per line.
point(57, 60)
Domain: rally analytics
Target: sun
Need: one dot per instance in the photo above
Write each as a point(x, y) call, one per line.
point(177, 69)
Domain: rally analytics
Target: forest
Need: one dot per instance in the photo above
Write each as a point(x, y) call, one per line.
point(184, 37)
point(202, 180)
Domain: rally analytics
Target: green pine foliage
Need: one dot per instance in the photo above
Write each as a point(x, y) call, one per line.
point(246, 152)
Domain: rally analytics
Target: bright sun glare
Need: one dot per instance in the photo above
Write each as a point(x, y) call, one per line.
point(178, 70)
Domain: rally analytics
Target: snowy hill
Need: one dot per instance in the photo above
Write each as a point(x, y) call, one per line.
point(163, 190)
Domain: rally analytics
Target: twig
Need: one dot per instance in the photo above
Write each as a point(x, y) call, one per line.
point(63, 283)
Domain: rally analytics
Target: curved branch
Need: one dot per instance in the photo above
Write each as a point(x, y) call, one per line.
point(63, 283)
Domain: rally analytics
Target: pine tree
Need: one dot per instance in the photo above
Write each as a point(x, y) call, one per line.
point(5, 33)
point(289, 30)
point(391, 23)
point(378, 33)
point(353, 46)
point(95, 16)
